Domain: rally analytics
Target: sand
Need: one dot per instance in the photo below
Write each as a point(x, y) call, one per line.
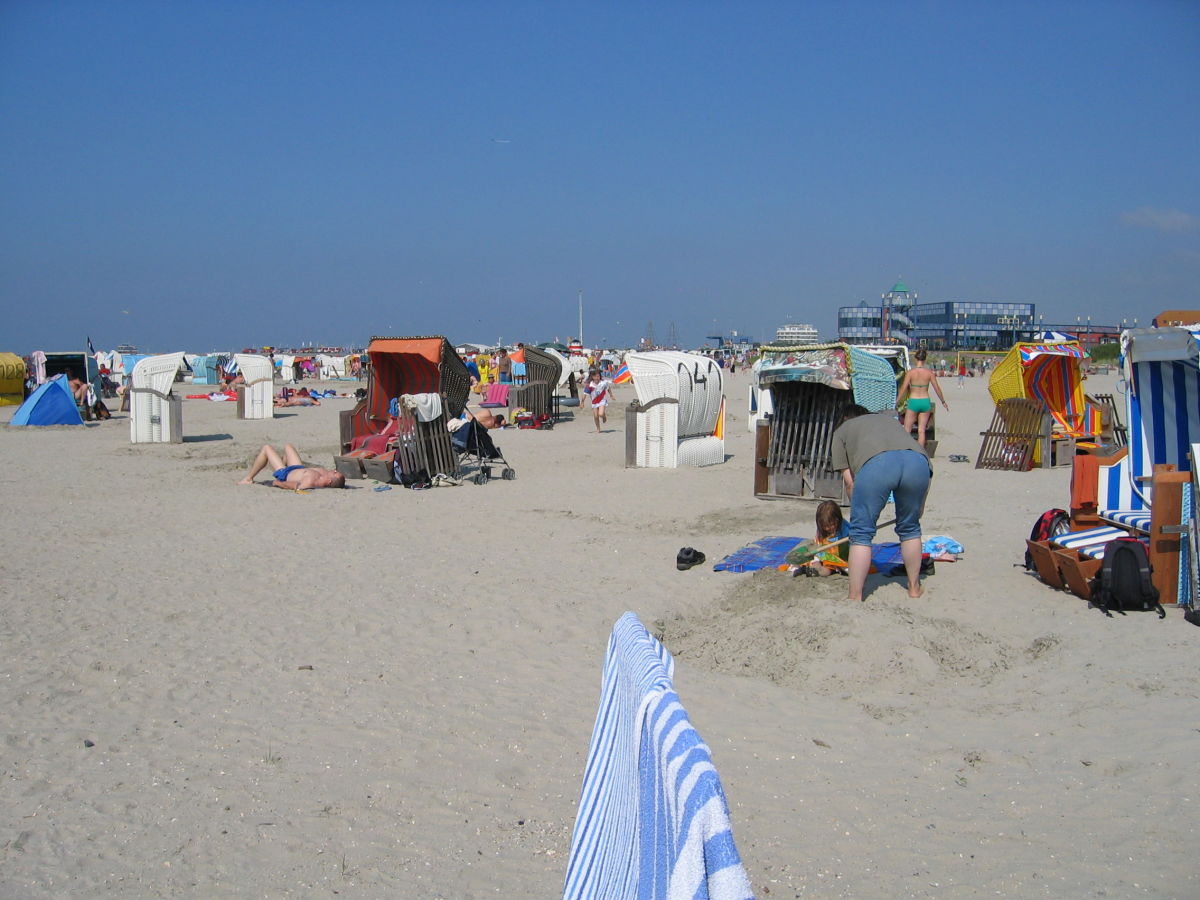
point(222, 691)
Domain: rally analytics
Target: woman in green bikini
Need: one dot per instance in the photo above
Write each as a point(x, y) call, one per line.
point(915, 388)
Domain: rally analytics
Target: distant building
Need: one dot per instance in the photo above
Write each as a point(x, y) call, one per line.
point(973, 325)
point(968, 324)
point(889, 322)
point(797, 334)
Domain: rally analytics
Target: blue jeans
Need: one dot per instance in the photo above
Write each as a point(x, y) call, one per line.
point(902, 473)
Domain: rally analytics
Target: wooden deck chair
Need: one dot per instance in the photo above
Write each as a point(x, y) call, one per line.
point(1017, 426)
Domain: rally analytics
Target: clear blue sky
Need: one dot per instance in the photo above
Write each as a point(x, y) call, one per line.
point(212, 175)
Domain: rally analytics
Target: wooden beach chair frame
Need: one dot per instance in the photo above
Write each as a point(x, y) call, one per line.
point(407, 365)
point(1018, 424)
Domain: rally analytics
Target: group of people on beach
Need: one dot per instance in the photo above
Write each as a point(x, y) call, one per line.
point(876, 453)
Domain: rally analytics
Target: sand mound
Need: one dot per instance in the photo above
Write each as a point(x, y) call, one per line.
point(801, 633)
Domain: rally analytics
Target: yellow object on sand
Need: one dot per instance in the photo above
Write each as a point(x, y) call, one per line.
point(12, 380)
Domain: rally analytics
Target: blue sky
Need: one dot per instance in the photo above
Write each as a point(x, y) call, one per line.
point(213, 175)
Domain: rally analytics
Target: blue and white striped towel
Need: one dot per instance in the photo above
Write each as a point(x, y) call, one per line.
point(653, 821)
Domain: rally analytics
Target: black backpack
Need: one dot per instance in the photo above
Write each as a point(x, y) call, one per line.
point(1124, 579)
point(1051, 523)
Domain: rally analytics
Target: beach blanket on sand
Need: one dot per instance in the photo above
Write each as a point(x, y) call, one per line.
point(771, 553)
point(653, 821)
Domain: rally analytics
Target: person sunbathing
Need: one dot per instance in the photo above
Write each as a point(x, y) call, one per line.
point(290, 473)
point(298, 400)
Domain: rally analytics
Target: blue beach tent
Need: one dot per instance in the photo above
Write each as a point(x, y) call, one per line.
point(51, 404)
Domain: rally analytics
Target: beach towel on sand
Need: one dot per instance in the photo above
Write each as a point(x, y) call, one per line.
point(653, 821)
point(771, 553)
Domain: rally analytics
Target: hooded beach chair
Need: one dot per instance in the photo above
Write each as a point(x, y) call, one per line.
point(407, 366)
point(677, 417)
point(255, 398)
point(155, 413)
point(539, 391)
point(1140, 489)
point(1050, 374)
point(803, 391)
point(653, 820)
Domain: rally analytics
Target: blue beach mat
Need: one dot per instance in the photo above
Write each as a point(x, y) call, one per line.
point(771, 553)
point(768, 552)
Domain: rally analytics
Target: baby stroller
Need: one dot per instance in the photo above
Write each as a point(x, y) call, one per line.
point(477, 449)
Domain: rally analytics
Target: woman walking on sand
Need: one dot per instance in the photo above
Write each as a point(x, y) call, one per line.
point(600, 391)
point(915, 387)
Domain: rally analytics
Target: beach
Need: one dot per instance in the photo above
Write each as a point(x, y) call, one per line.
point(224, 691)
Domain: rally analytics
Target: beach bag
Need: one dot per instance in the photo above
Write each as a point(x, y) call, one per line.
point(1124, 579)
point(1049, 524)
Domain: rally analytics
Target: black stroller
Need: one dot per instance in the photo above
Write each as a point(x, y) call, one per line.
point(477, 449)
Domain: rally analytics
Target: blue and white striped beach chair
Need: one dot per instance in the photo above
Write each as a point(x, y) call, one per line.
point(653, 821)
point(1162, 394)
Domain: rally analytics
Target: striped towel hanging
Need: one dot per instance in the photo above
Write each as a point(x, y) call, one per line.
point(653, 821)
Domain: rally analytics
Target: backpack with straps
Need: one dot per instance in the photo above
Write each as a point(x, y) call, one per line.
point(1051, 523)
point(1124, 579)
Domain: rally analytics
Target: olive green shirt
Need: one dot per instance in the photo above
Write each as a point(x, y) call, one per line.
point(857, 440)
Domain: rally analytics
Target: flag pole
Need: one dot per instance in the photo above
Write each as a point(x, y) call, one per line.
point(581, 318)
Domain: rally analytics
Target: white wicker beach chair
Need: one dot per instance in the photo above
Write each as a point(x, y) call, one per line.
point(155, 414)
point(256, 398)
point(676, 416)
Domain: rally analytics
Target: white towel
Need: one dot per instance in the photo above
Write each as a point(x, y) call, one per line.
point(426, 407)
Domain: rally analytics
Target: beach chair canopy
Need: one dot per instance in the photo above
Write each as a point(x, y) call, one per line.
point(1051, 373)
point(1162, 375)
point(415, 365)
point(870, 378)
point(204, 369)
point(692, 379)
point(564, 366)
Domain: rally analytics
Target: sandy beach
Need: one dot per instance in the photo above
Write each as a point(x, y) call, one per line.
point(222, 691)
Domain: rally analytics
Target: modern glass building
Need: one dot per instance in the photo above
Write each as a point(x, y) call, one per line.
point(973, 325)
point(899, 318)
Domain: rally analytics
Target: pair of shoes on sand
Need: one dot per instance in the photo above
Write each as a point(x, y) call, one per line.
point(687, 557)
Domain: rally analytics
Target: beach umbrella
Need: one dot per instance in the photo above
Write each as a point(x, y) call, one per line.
point(554, 345)
point(1052, 337)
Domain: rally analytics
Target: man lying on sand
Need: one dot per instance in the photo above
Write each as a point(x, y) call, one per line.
point(290, 473)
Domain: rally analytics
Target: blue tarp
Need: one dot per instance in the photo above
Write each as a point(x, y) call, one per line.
point(51, 404)
point(771, 552)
